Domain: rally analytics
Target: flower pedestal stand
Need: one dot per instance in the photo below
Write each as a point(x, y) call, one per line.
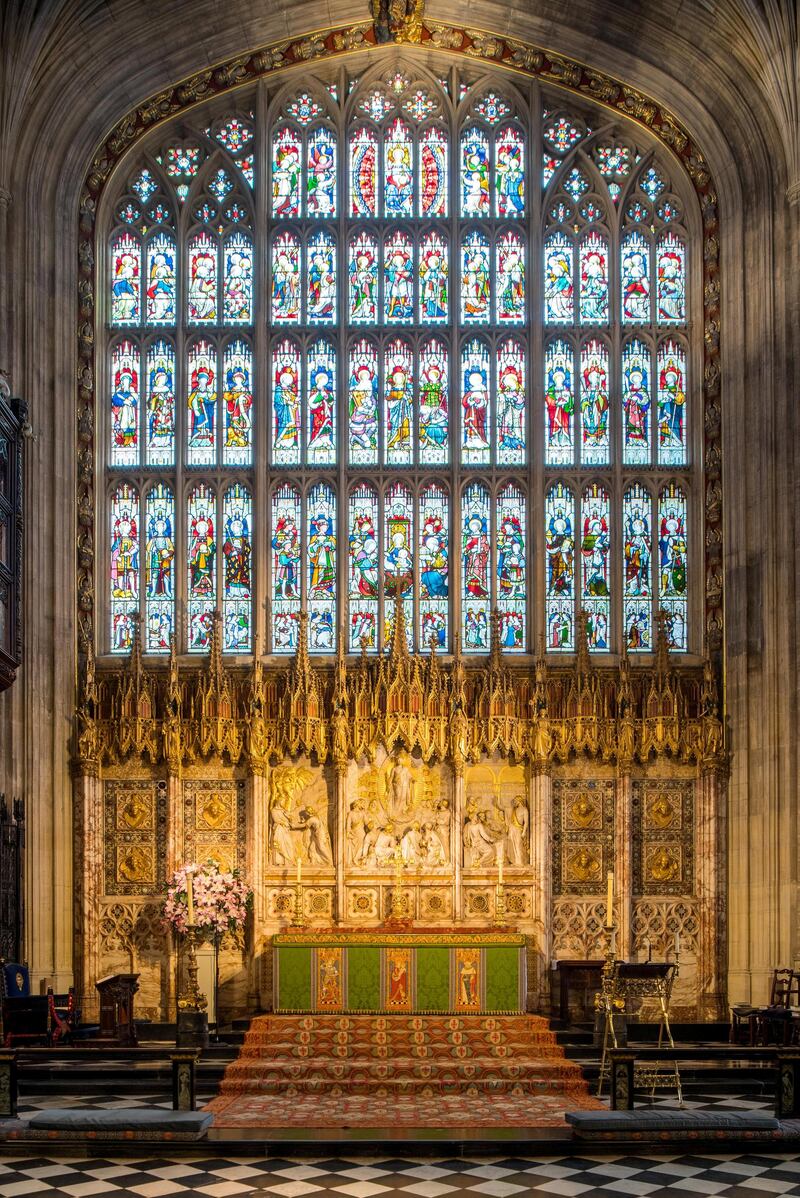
point(192, 1029)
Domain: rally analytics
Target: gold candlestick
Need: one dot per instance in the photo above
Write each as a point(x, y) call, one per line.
point(499, 905)
point(298, 915)
point(192, 999)
point(398, 906)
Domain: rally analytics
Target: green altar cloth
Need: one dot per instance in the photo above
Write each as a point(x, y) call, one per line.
point(384, 972)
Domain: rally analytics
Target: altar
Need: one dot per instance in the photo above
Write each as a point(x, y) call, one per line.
point(402, 972)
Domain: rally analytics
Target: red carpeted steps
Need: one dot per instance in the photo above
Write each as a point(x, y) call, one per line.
point(351, 1070)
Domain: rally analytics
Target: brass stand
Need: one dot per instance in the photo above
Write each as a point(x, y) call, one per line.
point(398, 906)
point(192, 999)
point(298, 915)
point(499, 919)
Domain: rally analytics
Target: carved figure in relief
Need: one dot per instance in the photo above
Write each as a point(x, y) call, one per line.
point(585, 866)
point(584, 813)
point(398, 805)
point(432, 850)
point(316, 838)
point(135, 866)
point(386, 845)
point(411, 845)
point(355, 828)
point(136, 812)
point(478, 844)
point(284, 851)
point(400, 802)
point(517, 838)
point(663, 866)
point(661, 812)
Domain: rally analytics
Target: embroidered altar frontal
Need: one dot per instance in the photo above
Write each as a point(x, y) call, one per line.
point(410, 972)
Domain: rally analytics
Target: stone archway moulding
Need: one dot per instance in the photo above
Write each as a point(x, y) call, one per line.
point(477, 46)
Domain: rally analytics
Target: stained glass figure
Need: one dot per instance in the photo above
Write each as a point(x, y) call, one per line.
point(673, 557)
point(321, 404)
point(637, 586)
point(159, 569)
point(161, 279)
point(475, 445)
point(321, 558)
point(202, 404)
point(511, 569)
point(559, 404)
point(201, 297)
point(595, 440)
point(363, 404)
point(237, 285)
point(124, 567)
point(433, 279)
point(433, 172)
point(671, 271)
point(363, 279)
point(558, 286)
point(511, 403)
point(160, 444)
point(286, 403)
point(126, 280)
point(398, 559)
point(509, 173)
point(476, 568)
point(398, 180)
point(398, 403)
point(125, 371)
point(362, 585)
point(363, 173)
point(202, 563)
point(636, 403)
point(237, 519)
point(671, 364)
point(595, 574)
point(321, 279)
point(635, 260)
point(433, 568)
point(286, 585)
point(475, 278)
point(560, 568)
point(474, 174)
point(398, 279)
point(594, 280)
point(510, 279)
point(237, 398)
point(286, 279)
point(434, 407)
point(286, 168)
point(321, 174)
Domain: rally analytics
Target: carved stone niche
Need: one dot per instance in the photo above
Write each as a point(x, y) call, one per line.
point(496, 817)
point(300, 817)
point(362, 902)
point(478, 902)
point(435, 903)
point(398, 802)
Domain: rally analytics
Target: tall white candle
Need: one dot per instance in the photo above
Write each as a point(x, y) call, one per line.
point(299, 869)
point(500, 856)
point(677, 943)
point(190, 895)
point(610, 901)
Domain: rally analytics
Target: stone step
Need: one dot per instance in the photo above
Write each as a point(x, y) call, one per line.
point(476, 1067)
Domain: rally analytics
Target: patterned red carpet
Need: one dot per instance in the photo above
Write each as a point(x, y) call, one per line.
point(400, 1070)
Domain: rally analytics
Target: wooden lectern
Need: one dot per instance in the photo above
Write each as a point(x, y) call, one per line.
point(116, 1008)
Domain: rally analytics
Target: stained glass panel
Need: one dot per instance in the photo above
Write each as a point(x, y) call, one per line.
point(398, 181)
point(126, 280)
point(363, 173)
point(363, 404)
point(286, 165)
point(124, 567)
point(433, 173)
point(398, 279)
point(237, 522)
point(434, 407)
point(321, 174)
point(595, 574)
point(512, 591)
point(671, 271)
point(475, 279)
point(560, 568)
point(475, 447)
point(363, 279)
point(559, 404)
point(286, 279)
point(161, 279)
point(362, 573)
point(398, 403)
point(125, 372)
point(511, 403)
point(433, 568)
point(286, 403)
point(673, 557)
point(636, 403)
point(509, 173)
point(237, 284)
point(321, 404)
point(635, 260)
point(595, 440)
point(510, 279)
point(637, 586)
point(433, 279)
point(594, 280)
point(159, 569)
point(286, 585)
point(474, 174)
point(398, 560)
point(558, 285)
point(160, 446)
point(476, 568)
point(321, 557)
point(671, 364)
point(202, 561)
point(321, 276)
point(201, 298)
point(238, 404)
point(202, 404)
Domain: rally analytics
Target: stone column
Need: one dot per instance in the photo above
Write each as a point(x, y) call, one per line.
point(541, 851)
point(457, 842)
point(338, 840)
point(623, 864)
point(256, 855)
point(710, 842)
point(174, 859)
point(88, 798)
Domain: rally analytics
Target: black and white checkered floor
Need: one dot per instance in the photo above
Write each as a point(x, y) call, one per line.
point(156, 1176)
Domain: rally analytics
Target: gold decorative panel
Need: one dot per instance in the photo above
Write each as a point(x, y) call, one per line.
point(134, 837)
point(214, 820)
point(583, 835)
point(663, 837)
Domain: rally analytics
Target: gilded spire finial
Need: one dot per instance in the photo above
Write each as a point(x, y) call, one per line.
point(582, 662)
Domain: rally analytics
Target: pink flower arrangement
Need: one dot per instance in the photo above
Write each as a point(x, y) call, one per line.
point(221, 900)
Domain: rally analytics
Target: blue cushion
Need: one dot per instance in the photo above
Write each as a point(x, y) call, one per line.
point(644, 1119)
point(16, 980)
point(121, 1120)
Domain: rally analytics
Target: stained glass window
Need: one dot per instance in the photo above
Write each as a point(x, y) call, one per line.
point(511, 569)
point(125, 373)
point(363, 173)
point(434, 407)
point(595, 576)
point(124, 567)
point(558, 284)
point(637, 584)
point(398, 279)
point(398, 559)
point(201, 402)
point(126, 280)
point(159, 569)
point(509, 174)
point(474, 174)
point(510, 279)
point(286, 279)
point(161, 279)
point(594, 280)
point(237, 281)
point(363, 404)
point(595, 441)
point(321, 279)
point(475, 279)
point(434, 581)
point(433, 279)
point(398, 403)
point(201, 295)
point(559, 391)
point(286, 562)
point(672, 558)
point(475, 568)
point(475, 448)
point(286, 165)
point(511, 403)
point(636, 404)
point(321, 404)
point(635, 260)
point(560, 568)
point(238, 404)
point(321, 559)
point(362, 587)
point(398, 177)
point(671, 272)
point(321, 174)
point(286, 421)
point(160, 415)
point(671, 365)
point(433, 176)
point(202, 566)
point(363, 279)
point(237, 519)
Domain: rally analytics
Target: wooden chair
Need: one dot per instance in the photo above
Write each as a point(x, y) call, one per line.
point(30, 1018)
point(776, 1023)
